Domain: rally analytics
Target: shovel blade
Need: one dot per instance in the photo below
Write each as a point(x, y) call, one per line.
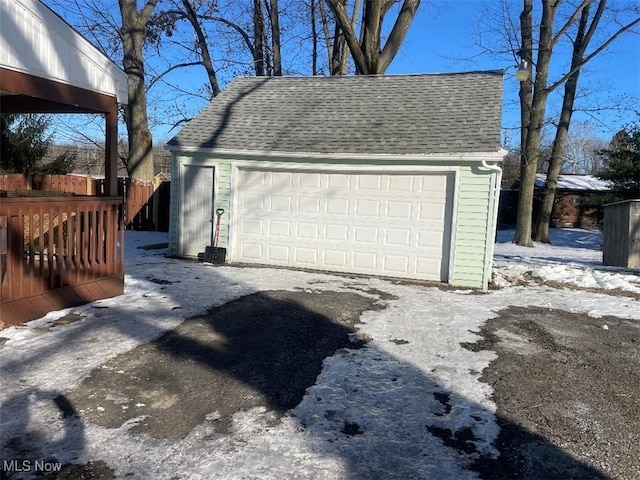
point(215, 255)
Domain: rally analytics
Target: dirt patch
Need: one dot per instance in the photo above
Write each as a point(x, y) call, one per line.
point(566, 387)
point(263, 350)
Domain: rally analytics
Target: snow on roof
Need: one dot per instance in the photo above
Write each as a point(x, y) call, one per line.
point(576, 182)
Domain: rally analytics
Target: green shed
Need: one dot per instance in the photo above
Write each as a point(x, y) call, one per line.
point(393, 175)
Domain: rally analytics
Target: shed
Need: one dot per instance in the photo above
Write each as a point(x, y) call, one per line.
point(621, 234)
point(393, 176)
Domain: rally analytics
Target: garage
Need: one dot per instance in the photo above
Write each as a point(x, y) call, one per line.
point(388, 175)
point(396, 225)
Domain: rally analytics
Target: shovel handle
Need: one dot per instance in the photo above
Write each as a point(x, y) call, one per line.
point(219, 212)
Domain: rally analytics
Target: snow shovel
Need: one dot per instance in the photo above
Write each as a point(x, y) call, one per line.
point(215, 254)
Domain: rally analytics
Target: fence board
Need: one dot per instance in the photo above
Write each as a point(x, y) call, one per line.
point(15, 181)
point(146, 204)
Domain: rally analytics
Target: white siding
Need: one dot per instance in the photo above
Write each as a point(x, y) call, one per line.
point(36, 41)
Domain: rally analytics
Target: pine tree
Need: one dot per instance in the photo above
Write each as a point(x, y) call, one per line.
point(622, 164)
point(23, 142)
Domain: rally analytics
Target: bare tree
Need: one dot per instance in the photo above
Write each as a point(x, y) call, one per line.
point(133, 33)
point(581, 153)
point(533, 101)
point(368, 54)
point(587, 26)
point(540, 42)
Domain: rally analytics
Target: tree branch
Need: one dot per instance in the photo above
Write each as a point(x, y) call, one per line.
point(345, 24)
point(398, 32)
point(593, 54)
point(157, 78)
point(569, 22)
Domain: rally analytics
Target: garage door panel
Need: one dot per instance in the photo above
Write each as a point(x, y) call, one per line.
point(337, 206)
point(433, 183)
point(255, 177)
point(365, 261)
point(397, 237)
point(366, 235)
point(360, 223)
point(401, 183)
point(335, 258)
point(397, 263)
point(282, 179)
point(429, 239)
point(280, 229)
point(278, 254)
point(281, 203)
point(308, 205)
point(336, 232)
point(252, 202)
point(401, 210)
point(368, 208)
point(368, 182)
point(251, 227)
point(339, 181)
point(251, 251)
point(307, 256)
point(307, 230)
point(310, 180)
point(426, 267)
point(431, 211)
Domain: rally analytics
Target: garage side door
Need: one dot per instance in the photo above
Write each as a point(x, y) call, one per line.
point(197, 209)
point(395, 225)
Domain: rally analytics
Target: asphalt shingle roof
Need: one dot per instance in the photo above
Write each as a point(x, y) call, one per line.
point(388, 114)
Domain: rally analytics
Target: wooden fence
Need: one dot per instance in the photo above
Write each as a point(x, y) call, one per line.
point(146, 204)
point(14, 182)
point(58, 251)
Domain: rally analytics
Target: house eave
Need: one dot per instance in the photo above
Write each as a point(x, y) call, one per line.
point(496, 156)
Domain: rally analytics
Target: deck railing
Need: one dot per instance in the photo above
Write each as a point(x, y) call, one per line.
point(66, 244)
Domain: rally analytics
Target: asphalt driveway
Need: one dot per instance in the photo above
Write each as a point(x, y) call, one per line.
point(564, 385)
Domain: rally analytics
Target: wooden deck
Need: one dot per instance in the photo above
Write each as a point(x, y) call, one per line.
point(58, 252)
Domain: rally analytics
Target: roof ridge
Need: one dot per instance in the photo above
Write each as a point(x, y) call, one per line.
point(496, 71)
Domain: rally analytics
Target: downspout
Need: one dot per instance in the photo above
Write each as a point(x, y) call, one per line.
point(494, 221)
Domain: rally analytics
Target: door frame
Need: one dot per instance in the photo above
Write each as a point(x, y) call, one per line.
point(181, 212)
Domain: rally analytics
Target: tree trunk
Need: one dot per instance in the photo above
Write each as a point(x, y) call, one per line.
point(258, 39)
point(338, 49)
point(132, 34)
point(324, 18)
point(274, 18)
point(314, 38)
point(562, 132)
point(534, 120)
point(527, 168)
point(367, 55)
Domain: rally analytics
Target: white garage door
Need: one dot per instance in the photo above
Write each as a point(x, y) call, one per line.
point(395, 225)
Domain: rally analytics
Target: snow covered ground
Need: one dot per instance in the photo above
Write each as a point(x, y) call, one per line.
point(393, 388)
point(574, 257)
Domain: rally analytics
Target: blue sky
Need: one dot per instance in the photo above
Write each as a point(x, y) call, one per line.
point(441, 39)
